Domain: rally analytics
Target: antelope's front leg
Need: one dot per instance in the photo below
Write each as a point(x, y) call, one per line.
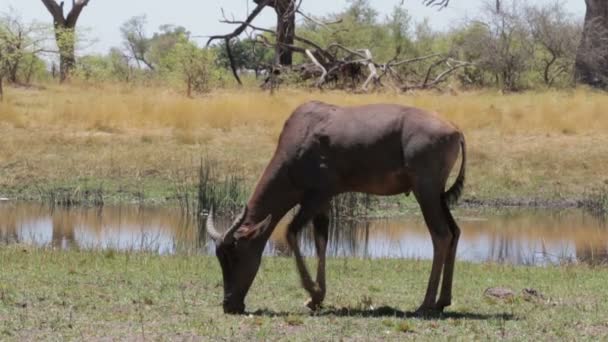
point(321, 227)
point(316, 291)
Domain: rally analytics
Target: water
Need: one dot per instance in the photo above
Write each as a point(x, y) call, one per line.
point(514, 236)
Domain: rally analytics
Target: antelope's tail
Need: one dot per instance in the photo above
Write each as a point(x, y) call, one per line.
point(453, 194)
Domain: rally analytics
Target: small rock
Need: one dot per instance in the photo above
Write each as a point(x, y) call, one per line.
point(3, 199)
point(499, 293)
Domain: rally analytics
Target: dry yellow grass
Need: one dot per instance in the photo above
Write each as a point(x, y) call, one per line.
point(522, 145)
point(113, 107)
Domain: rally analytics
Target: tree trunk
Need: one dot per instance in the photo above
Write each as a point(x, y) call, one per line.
point(65, 29)
point(1, 88)
point(286, 30)
point(591, 66)
point(66, 42)
point(13, 69)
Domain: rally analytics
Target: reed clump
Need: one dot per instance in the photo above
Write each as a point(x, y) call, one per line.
point(596, 201)
point(224, 194)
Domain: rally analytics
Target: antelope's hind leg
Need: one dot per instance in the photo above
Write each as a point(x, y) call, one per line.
point(442, 237)
point(445, 298)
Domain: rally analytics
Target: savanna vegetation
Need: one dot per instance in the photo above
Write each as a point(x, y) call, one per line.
point(162, 119)
point(147, 144)
point(136, 124)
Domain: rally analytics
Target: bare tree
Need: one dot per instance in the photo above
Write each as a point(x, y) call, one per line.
point(65, 32)
point(136, 42)
point(592, 58)
point(500, 43)
point(558, 36)
point(285, 29)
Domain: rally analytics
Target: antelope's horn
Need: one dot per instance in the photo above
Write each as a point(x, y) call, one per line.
point(213, 233)
point(235, 226)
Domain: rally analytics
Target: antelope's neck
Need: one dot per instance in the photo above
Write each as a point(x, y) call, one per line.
point(273, 195)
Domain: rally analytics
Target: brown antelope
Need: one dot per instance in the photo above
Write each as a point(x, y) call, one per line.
point(326, 150)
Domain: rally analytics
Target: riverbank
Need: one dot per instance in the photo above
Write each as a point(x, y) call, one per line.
point(47, 294)
point(85, 144)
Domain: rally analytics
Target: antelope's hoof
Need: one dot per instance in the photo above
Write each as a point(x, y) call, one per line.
point(313, 304)
point(443, 304)
point(426, 310)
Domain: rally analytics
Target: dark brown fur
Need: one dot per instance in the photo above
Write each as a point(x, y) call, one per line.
point(326, 150)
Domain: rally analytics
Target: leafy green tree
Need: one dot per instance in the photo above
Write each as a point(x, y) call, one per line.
point(399, 23)
point(193, 66)
point(94, 67)
point(22, 42)
point(32, 68)
point(164, 41)
point(150, 51)
point(247, 54)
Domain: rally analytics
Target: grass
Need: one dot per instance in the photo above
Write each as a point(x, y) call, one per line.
point(146, 144)
point(58, 295)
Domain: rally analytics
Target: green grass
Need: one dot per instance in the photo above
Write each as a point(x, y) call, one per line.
point(75, 295)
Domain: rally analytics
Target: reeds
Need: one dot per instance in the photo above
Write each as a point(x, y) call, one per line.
point(350, 205)
point(223, 194)
point(68, 197)
point(596, 202)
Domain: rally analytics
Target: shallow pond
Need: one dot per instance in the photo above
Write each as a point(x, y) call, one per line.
point(515, 236)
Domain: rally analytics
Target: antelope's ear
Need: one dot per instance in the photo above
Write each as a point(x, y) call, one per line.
point(250, 233)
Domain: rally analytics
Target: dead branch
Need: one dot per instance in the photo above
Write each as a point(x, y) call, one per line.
point(318, 22)
point(357, 53)
point(237, 32)
point(452, 65)
point(373, 72)
point(264, 41)
point(412, 60)
point(306, 41)
point(243, 24)
point(438, 3)
point(321, 79)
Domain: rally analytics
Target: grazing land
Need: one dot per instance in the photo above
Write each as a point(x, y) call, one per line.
point(47, 294)
point(130, 144)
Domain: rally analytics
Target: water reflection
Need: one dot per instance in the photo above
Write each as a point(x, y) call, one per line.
point(513, 236)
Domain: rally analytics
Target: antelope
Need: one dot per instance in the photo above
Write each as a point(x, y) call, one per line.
point(325, 150)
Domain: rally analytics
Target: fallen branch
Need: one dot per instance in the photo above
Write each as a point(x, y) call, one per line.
point(321, 79)
point(452, 64)
point(373, 72)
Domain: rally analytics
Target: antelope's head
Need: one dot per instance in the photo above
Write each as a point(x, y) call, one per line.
point(239, 251)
